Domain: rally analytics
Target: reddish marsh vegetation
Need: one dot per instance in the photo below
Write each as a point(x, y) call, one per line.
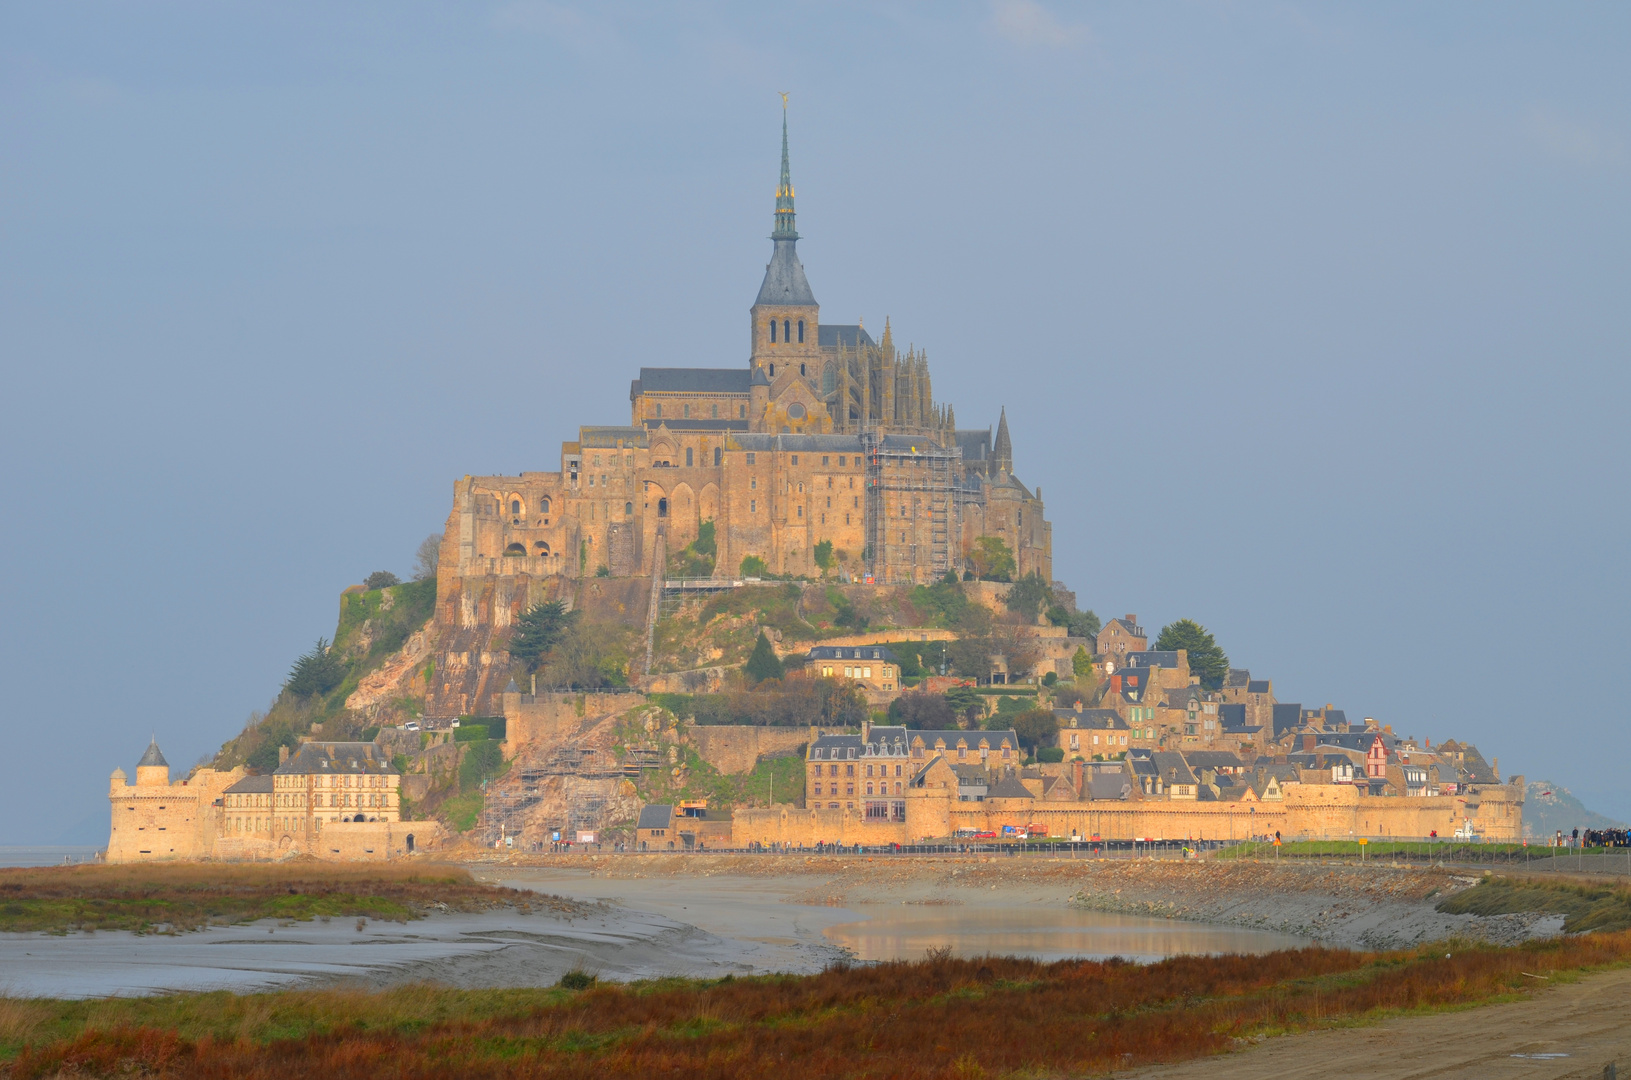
point(184, 896)
point(940, 1017)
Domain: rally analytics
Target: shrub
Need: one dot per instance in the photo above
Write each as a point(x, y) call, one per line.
point(923, 711)
point(603, 571)
point(1050, 678)
point(380, 579)
point(753, 566)
point(823, 554)
point(1051, 754)
point(577, 979)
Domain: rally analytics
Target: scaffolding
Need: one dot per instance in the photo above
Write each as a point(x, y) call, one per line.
point(506, 801)
point(913, 508)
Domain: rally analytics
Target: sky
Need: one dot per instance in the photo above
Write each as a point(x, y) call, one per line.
point(1310, 321)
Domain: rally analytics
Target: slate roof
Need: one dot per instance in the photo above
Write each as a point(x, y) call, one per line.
point(336, 757)
point(1237, 677)
point(1286, 717)
point(1258, 686)
point(251, 785)
point(784, 281)
point(1151, 658)
point(1104, 784)
point(975, 444)
point(1213, 759)
point(850, 747)
point(1091, 719)
point(657, 816)
point(680, 380)
point(600, 437)
point(1232, 716)
point(831, 336)
point(152, 756)
point(1009, 787)
point(1172, 767)
point(695, 423)
point(851, 652)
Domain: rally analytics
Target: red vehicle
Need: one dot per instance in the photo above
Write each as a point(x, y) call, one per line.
point(985, 836)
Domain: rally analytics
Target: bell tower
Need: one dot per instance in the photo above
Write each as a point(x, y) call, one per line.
point(786, 317)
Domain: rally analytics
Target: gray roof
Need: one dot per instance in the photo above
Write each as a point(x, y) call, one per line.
point(1257, 686)
point(850, 652)
point(683, 380)
point(1094, 719)
point(785, 282)
point(152, 756)
point(250, 784)
point(975, 444)
point(1237, 677)
point(336, 757)
point(1104, 784)
point(1151, 658)
point(1213, 759)
point(832, 336)
point(1009, 787)
point(694, 423)
point(1172, 767)
point(656, 816)
point(850, 746)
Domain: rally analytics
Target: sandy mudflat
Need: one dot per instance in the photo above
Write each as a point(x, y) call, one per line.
point(1569, 1031)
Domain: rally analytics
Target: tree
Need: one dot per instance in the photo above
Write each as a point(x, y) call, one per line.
point(1080, 623)
point(1080, 662)
point(428, 555)
point(603, 571)
point(922, 711)
point(823, 555)
point(1035, 727)
point(380, 579)
point(763, 664)
point(540, 630)
point(316, 672)
point(967, 704)
point(992, 559)
point(1028, 595)
point(1205, 658)
point(753, 566)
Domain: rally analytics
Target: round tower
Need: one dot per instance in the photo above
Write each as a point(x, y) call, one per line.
point(152, 770)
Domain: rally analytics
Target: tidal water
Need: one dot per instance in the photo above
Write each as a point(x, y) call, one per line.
point(46, 855)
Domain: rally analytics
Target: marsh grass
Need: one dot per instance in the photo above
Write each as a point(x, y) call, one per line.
point(1584, 906)
point(940, 1017)
point(186, 896)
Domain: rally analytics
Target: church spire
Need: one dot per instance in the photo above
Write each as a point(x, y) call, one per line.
point(784, 190)
point(1002, 451)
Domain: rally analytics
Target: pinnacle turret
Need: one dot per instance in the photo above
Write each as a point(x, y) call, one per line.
point(1002, 451)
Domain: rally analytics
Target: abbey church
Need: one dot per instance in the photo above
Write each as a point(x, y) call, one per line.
point(825, 434)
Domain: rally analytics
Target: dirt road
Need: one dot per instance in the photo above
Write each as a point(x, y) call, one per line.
point(1568, 1031)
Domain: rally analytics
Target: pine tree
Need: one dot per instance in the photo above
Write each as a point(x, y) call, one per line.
point(540, 630)
point(1205, 658)
point(763, 664)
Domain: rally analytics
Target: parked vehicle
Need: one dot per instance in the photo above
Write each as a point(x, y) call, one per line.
point(411, 725)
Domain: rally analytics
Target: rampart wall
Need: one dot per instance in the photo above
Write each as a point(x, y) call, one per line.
point(737, 748)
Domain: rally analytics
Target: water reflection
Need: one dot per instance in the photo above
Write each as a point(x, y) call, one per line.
point(1045, 934)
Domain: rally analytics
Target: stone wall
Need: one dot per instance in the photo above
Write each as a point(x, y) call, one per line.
point(533, 720)
point(736, 748)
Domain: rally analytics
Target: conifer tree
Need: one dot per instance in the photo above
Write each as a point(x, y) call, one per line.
point(763, 664)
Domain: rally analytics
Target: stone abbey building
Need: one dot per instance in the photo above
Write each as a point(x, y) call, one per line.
point(825, 434)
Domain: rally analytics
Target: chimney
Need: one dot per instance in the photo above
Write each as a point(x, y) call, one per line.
point(1132, 620)
point(1388, 728)
point(1308, 743)
point(1078, 704)
point(866, 729)
point(282, 755)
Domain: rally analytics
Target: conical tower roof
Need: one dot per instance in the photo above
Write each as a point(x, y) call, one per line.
point(153, 756)
point(785, 283)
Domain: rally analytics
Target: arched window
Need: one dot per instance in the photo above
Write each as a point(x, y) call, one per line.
point(515, 506)
point(801, 331)
point(801, 366)
point(772, 371)
point(719, 455)
point(829, 378)
point(662, 507)
point(741, 412)
point(543, 548)
point(515, 549)
point(689, 455)
point(773, 331)
point(659, 409)
point(628, 509)
point(715, 410)
point(786, 331)
point(545, 506)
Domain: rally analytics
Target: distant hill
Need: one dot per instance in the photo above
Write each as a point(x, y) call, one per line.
point(1549, 807)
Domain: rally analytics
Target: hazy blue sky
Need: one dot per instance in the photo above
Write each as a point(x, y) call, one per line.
point(1310, 320)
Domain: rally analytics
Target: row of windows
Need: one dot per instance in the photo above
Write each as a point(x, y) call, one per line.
point(849, 789)
point(826, 459)
point(787, 331)
point(713, 412)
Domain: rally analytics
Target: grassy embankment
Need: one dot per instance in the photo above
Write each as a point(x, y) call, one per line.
point(939, 1017)
point(1586, 907)
point(1444, 849)
point(188, 896)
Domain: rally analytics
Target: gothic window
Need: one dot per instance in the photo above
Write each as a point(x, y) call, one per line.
point(686, 410)
point(786, 332)
point(719, 455)
point(659, 409)
point(515, 506)
point(662, 507)
point(690, 453)
point(741, 412)
point(773, 331)
point(772, 371)
point(628, 509)
point(801, 338)
point(545, 506)
point(714, 411)
point(1019, 517)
